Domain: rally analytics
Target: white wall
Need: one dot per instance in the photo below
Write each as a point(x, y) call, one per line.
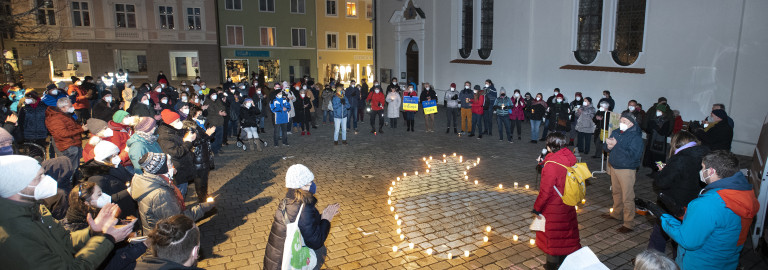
point(696, 53)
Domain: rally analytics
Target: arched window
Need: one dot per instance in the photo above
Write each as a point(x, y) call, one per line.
point(486, 29)
point(630, 23)
point(466, 28)
point(589, 30)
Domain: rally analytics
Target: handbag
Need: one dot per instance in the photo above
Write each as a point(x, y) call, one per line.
point(296, 255)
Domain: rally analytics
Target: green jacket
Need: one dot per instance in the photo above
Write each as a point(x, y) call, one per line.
point(32, 240)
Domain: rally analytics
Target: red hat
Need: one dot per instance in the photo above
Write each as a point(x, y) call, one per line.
point(559, 95)
point(453, 85)
point(169, 116)
point(163, 81)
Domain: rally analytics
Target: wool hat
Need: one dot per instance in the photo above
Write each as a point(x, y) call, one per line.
point(169, 116)
point(88, 78)
point(95, 125)
point(247, 99)
point(559, 95)
point(74, 79)
point(146, 124)
point(477, 87)
point(18, 172)
point(232, 86)
point(720, 113)
point(154, 163)
point(662, 99)
point(50, 86)
point(119, 116)
point(502, 90)
point(588, 99)
point(629, 116)
point(5, 137)
point(662, 107)
point(106, 92)
point(298, 176)
point(104, 150)
point(453, 85)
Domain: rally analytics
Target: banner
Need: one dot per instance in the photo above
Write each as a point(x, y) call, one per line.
point(411, 104)
point(430, 107)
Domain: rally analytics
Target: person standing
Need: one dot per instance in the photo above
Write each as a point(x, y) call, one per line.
point(216, 112)
point(376, 100)
point(561, 233)
point(602, 116)
point(658, 127)
point(410, 115)
point(81, 98)
point(32, 120)
point(537, 110)
point(451, 104)
point(717, 223)
point(65, 131)
point(503, 105)
point(303, 114)
point(466, 108)
point(550, 103)
point(608, 99)
point(584, 125)
point(325, 104)
point(299, 205)
point(352, 95)
point(363, 86)
point(489, 93)
point(280, 107)
point(176, 141)
point(625, 147)
point(234, 101)
point(394, 103)
point(428, 94)
point(477, 101)
point(201, 150)
point(340, 113)
point(558, 114)
point(517, 114)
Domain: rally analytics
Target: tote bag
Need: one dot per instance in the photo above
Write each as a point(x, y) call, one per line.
point(296, 255)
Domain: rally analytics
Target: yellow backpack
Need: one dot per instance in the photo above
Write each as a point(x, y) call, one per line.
point(575, 187)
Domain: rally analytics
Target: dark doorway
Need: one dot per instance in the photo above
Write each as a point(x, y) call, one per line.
point(181, 66)
point(412, 62)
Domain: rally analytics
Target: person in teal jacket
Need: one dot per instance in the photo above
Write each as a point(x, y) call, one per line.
point(142, 141)
point(716, 224)
point(14, 95)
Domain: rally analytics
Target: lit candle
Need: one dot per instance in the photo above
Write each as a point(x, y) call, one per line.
point(514, 238)
point(461, 158)
point(416, 172)
point(474, 164)
point(393, 183)
point(527, 186)
point(410, 245)
point(391, 188)
point(478, 159)
point(450, 256)
point(430, 157)
point(389, 193)
point(443, 156)
point(611, 210)
point(399, 222)
point(429, 251)
point(394, 248)
point(402, 237)
point(128, 184)
point(577, 207)
point(465, 172)
point(533, 242)
point(389, 201)
point(466, 253)
point(424, 158)
point(454, 154)
point(515, 184)
point(475, 182)
point(210, 199)
point(583, 201)
point(466, 177)
point(427, 170)
point(399, 230)
point(397, 217)
point(391, 209)
point(501, 186)
point(488, 228)
point(485, 239)
point(443, 160)
point(467, 167)
point(404, 174)
point(429, 166)
point(398, 178)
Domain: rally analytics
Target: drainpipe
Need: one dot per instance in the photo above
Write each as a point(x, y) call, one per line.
point(218, 41)
point(376, 42)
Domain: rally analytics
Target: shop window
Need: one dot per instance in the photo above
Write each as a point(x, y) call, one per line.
point(184, 65)
point(134, 62)
point(271, 70)
point(68, 63)
point(237, 69)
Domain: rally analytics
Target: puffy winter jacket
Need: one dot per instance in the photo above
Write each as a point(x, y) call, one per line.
point(715, 226)
point(303, 114)
point(394, 102)
point(82, 98)
point(518, 109)
point(506, 102)
point(313, 229)
point(157, 201)
point(584, 116)
point(171, 142)
point(340, 107)
point(51, 100)
point(234, 100)
point(249, 117)
point(490, 98)
point(327, 98)
point(376, 100)
point(201, 147)
point(561, 234)
point(32, 121)
point(103, 110)
point(628, 151)
point(680, 177)
point(451, 99)
point(537, 110)
point(463, 96)
point(277, 106)
point(477, 104)
point(558, 113)
point(138, 146)
point(63, 128)
point(352, 94)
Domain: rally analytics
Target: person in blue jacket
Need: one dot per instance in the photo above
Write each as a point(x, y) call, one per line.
point(52, 94)
point(340, 113)
point(716, 224)
point(280, 107)
point(625, 146)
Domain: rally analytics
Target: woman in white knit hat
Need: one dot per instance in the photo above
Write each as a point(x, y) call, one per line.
point(314, 227)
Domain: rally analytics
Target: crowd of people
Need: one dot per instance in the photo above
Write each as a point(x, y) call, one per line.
point(124, 154)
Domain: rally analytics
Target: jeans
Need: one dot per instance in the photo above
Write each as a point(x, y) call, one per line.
point(658, 240)
point(183, 188)
point(352, 118)
point(488, 121)
point(477, 123)
point(251, 132)
point(377, 114)
point(340, 125)
point(451, 115)
point(327, 116)
point(503, 121)
point(261, 122)
point(278, 129)
point(218, 137)
point(583, 141)
point(466, 120)
point(233, 125)
point(513, 124)
point(535, 124)
point(546, 129)
point(74, 153)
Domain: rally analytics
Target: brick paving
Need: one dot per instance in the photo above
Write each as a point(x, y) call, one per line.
point(440, 210)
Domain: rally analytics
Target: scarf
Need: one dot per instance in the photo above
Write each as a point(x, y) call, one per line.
point(687, 145)
point(146, 136)
point(706, 129)
point(179, 197)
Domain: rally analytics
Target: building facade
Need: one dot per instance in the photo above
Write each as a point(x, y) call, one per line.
point(694, 53)
point(142, 37)
point(273, 39)
point(345, 40)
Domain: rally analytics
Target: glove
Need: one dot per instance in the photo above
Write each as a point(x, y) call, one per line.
point(670, 203)
point(455, 98)
point(653, 208)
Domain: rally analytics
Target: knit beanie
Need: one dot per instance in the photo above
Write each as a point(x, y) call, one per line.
point(453, 85)
point(146, 124)
point(18, 172)
point(154, 163)
point(5, 137)
point(95, 125)
point(74, 79)
point(50, 86)
point(662, 107)
point(588, 99)
point(559, 95)
point(169, 116)
point(104, 150)
point(720, 113)
point(629, 116)
point(298, 176)
point(119, 116)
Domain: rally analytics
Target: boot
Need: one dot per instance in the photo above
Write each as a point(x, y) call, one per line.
point(381, 130)
point(447, 130)
point(344, 142)
point(455, 131)
point(257, 143)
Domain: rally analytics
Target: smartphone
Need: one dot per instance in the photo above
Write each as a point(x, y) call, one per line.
point(660, 164)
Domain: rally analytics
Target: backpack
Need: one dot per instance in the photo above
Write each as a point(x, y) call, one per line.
point(575, 187)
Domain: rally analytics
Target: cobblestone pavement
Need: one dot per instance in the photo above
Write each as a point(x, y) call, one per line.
point(440, 210)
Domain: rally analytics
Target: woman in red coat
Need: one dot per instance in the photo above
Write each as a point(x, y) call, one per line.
point(477, 111)
point(561, 233)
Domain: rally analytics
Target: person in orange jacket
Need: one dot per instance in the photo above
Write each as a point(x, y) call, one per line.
point(81, 100)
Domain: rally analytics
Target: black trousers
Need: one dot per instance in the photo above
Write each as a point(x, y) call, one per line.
point(377, 114)
point(201, 183)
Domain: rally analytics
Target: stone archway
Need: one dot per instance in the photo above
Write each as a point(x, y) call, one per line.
point(412, 62)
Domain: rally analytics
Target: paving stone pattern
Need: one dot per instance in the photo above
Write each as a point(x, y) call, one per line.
point(439, 210)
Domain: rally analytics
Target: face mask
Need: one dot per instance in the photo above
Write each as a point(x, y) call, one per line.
point(197, 80)
point(185, 111)
point(203, 86)
point(108, 99)
point(54, 92)
point(538, 98)
point(242, 87)
point(410, 89)
point(127, 121)
point(394, 82)
point(623, 127)
point(158, 90)
point(602, 109)
point(78, 83)
point(706, 125)
point(164, 101)
point(107, 133)
point(313, 188)
point(197, 100)
point(702, 178)
point(279, 96)
point(28, 101)
point(297, 88)
point(200, 92)
point(71, 110)
point(377, 91)
point(162, 85)
point(559, 100)
point(115, 161)
point(146, 102)
point(517, 95)
point(453, 89)
point(578, 98)
point(213, 97)
point(555, 94)
point(584, 104)
point(248, 105)
point(605, 96)
point(503, 94)
point(376, 84)
point(302, 95)
point(304, 87)
point(45, 189)
point(474, 91)
point(183, 99)
point(466, 87)
point(427, 88)
point(6, 150)
point(631, 108)
point(177, 124)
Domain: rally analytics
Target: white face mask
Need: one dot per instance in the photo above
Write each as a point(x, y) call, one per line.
point(164, 101)
point(297, 88)
point(116, 161)
point(162, 85)
point(410, 89)
point(158, 90)
point(28, 101)
point(71, 110)
point(185, 111)
point(578, 98)
point(377, 91)
point(45, 189)
point(517, 95)
point(466, 87)
point(427, 88)
point(623, 127)
point(279, 96)
point(127, 121)
point(248, 105)
point(605, 96)
point(559, 100)
point(103, 200)
point(702, 178)
point(78, 83)
point(659, 113)
point(555, 94)
point(584, 103)
point(108, 99)
point(706, 125)
point(54, 92)
point(474, 91)
point(197, 100)
point(146, 102)
point(453, 89)
point(213, 97)
point(303, 87)
point(107, 133)
point(302, 95)
point(183, 99)
point(258, 92)
point(538, 98)
point(602, 109)
point(487, 85)
point(376, 84)
point(631, 108)
point(177, 124)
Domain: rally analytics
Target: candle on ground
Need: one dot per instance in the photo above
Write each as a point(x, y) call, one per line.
point(488, 228)
point(514, 238)
point(429, 251)
point(466, 253)
point(485, 239)
point(394, 248)
point(410, 245)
